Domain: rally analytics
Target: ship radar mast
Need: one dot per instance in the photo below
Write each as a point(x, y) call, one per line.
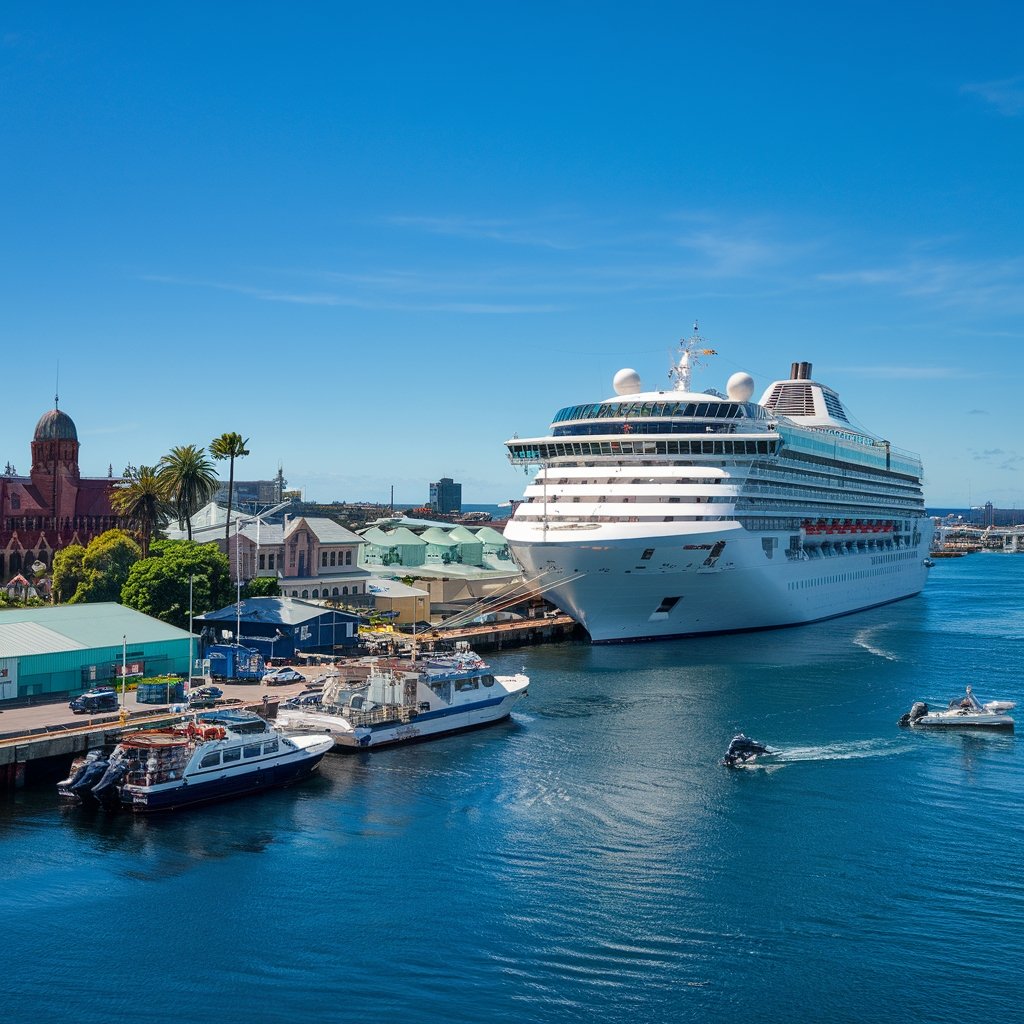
point(690, 352)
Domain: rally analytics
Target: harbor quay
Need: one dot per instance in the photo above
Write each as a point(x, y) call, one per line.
point(38, 742)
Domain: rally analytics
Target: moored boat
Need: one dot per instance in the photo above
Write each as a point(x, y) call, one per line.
point(214, 756)
point(966, 712)
point(404, 700)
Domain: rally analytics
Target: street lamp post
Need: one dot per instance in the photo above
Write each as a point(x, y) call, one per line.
point(124, 676)
point(190, 660)
point(238, 582)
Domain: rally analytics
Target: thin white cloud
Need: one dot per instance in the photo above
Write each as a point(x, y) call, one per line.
point(506, 231)
point(944, 281)
point(329, 299)
point(1006, 94)
point(905, 372)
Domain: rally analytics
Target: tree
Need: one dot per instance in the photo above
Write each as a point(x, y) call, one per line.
point(141, 499)
point(262, 586)
point(229, 446)
point(159, 585)
point(189, 482)
point(97, 572)
point(68, 572)
point(106, 563)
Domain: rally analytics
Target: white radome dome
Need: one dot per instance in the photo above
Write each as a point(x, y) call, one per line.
point(627, 382)
point(740, 387)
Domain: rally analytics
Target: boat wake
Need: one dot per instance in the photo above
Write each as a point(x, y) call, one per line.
point(779, 757)
point(863, 638)
point(840, 751)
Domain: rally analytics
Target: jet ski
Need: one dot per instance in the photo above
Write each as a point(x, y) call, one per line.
point(742, 750)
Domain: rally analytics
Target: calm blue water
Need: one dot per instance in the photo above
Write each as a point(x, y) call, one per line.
point(589, 861)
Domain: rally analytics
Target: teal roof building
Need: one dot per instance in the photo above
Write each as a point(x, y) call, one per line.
point(51, 653)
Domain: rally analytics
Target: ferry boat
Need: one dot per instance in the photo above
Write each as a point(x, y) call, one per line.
point(214, 756)
point(401, 700)
point(658, 514)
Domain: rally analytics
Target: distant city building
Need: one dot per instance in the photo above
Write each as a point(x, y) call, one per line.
point(253, 495)
point(989, 515)
point(446, 495)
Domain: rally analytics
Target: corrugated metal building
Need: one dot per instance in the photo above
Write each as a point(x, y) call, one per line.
point(282, 627)
point(48, 653)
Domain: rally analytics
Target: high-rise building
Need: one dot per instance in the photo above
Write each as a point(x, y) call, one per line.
point(446, 495)
point(252, 495)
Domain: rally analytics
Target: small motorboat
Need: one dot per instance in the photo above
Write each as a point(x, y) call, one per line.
point(966, 712)
point(742, 750)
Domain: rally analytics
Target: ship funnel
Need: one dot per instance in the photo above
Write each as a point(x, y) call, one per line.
point(794, 371)
point(805, 371)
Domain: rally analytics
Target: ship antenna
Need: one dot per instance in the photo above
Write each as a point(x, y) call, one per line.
point(690, 352)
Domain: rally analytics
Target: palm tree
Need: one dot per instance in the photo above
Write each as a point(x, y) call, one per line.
point(141, 499)
point(189, 482)
point(229, 446)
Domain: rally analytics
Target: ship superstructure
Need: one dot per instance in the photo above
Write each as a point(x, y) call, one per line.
point(675, 513)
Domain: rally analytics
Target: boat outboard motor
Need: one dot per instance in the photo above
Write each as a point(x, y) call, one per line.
point(81, 783)
point(741, 749)
point(917, 711)
point(108, 790)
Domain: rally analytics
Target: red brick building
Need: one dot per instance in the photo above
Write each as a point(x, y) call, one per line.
point(54, 506)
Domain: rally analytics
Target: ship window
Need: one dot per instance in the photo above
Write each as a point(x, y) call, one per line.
point(210, 760)
point(232, 755)
point(253, 750)
point(667, 604)
point(487, 680)
point(270, 747)
point(648, 552)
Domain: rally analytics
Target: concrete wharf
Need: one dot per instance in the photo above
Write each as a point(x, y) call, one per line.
point(38, 743)
point(494, 636)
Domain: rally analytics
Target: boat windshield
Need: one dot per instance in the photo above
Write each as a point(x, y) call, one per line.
point(967, 703)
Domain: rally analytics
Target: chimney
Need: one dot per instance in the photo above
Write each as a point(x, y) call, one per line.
point(794, 371)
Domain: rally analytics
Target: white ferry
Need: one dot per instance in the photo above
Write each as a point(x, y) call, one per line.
point(214, 756)
point(674, 513)
point(403, 700)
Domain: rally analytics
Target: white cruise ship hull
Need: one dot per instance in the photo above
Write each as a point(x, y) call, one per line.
point(618, 595)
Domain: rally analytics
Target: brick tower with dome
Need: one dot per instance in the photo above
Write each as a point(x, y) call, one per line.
point(55, 506)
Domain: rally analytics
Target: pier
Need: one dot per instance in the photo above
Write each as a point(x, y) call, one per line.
point(39, 742)
point(495, 636)
point(31, 751)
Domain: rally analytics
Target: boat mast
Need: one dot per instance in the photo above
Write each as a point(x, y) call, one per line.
point(690, 352)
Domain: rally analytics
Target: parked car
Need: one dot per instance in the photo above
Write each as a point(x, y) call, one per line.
point(310, 700)
point(204, 696)
point(103, 698)
point(282, 676)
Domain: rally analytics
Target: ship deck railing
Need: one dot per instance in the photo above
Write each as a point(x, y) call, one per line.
point(382, 714)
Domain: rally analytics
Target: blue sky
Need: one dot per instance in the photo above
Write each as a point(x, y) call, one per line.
point(378, 240)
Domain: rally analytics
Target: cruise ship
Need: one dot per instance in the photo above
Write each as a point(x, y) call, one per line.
point(657, 514)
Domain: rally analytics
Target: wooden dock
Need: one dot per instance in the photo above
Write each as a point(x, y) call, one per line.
point(492, 636)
